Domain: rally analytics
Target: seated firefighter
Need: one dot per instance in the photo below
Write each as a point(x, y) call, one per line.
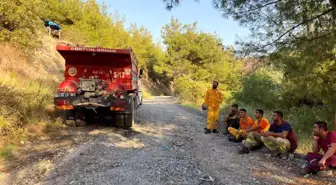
point(325, 140)
point(253, 140)
point(245, 123)
point(280, 138)
point(232, 120)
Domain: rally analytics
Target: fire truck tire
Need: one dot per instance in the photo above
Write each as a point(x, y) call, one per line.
point(120, 120)
point(70, 118)
point(129, 118)
point(70, 123)
point(80, 123)
point(80, 118)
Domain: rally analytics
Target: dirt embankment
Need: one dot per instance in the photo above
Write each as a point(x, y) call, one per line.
point(28, 82)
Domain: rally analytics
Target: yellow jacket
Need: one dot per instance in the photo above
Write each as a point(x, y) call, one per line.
point(213, 98)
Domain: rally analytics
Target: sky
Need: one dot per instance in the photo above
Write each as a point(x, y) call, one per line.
point(152, 14)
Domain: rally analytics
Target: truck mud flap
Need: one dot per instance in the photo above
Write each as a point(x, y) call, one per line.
point(126, 120)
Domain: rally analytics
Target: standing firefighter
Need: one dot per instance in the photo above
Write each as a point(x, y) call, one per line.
point(213, 98)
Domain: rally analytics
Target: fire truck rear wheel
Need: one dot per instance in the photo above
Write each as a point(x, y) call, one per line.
point(80, 118)
point(80, 122)
point(120, 120)
point(129, 118)
point(70, 123)
point(75, 118)
point(70, 118)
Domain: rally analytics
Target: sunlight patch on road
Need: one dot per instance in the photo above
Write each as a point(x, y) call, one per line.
point(41, 168)
point(134, 143)
point(98, 132)
point(267, 174)
point(269, 167)
point(157, 131)
point(183, 117)
point(44, 166)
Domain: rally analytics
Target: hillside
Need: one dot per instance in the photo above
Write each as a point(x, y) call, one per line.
point(28, 83)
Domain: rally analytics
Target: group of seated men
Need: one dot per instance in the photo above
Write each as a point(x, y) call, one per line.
point(280, 138)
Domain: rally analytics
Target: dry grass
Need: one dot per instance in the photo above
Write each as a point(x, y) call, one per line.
point(28, 82)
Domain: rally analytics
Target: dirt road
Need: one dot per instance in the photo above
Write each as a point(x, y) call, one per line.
point(166, 146)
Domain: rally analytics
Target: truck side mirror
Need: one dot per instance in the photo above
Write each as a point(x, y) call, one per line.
point(141, 73)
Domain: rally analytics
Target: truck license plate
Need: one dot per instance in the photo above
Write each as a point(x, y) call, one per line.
point(65, 94)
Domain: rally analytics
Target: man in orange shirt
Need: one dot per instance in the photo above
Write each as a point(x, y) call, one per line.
point(245, 124)
point(213, 98)
point(253, 140)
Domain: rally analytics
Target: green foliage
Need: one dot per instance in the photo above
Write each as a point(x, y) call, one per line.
point(309, 75)
point(91, 25)
point(142, 44)
point(63, 12)
point(189, 90)
point(303, 118)
point(259, 90)
point(7, 151)
point(195, 59)
point(299, 41)
point(83, 22)
point(278, 24)
point(299, 37)
point(19, 22)
point(146, 94)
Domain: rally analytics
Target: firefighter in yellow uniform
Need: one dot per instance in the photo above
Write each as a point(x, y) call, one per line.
point(213, 98)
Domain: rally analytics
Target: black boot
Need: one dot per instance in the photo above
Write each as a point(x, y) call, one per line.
point(207, 131)
point(238, 140)
point(215, 131)
point(244, 150)
point(231, 138)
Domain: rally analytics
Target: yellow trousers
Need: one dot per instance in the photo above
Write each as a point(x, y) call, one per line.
point(237, 133)
point(276, 144)
point(213, 114)
point(253, 140)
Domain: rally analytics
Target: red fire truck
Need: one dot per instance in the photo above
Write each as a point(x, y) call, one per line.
point(99, 82)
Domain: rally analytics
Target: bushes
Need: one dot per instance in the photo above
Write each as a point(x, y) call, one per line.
point(8, 151)
point(19, 21)
point(194, 59)
point(260, 90)
point(22, 104)
point(190, 91)
point(27, 87)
